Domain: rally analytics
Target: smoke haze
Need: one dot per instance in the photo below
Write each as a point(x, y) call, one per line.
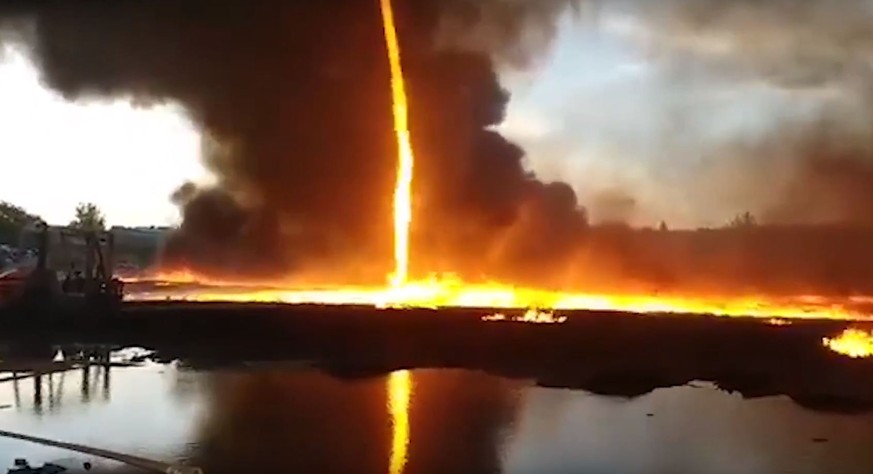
point(698, 110)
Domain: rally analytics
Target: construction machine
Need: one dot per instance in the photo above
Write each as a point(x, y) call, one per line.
point(73, 269)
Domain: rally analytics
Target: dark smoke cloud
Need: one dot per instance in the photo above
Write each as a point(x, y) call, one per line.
point(720, 109)
point(295, 96)
point(827, 177)
point(759, 105)
point(516, 32)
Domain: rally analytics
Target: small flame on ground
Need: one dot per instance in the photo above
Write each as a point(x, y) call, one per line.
point(855, 343)
point(778, 322)
point(532, 316)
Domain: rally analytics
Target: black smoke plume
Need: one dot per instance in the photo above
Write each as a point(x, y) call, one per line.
point(294, 99)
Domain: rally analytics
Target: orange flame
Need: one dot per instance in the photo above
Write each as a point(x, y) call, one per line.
point(448, 291)
point(399, 383)
point(399, 395)
point(855, 343)
point(530, 316)
point(405, 158)
point(778, 322)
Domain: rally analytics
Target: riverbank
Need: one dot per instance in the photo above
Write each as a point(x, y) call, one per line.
point(601, 352)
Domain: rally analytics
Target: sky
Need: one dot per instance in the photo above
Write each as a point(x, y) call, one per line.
point(650, 126)
point(126, 159)
point(644, 122)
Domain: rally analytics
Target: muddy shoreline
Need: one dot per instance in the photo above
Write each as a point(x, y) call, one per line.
point(601, 352)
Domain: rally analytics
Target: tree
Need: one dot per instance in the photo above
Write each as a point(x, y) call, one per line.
point(89, 218)
point(743, 221)
point(12, 220)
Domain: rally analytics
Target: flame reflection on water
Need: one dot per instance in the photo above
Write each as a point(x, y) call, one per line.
point(399, 396)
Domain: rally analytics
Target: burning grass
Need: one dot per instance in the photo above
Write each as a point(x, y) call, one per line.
point(853, 342)
point(448, 291)
point(530, 316)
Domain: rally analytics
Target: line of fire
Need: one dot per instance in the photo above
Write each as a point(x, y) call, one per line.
point(757, 309)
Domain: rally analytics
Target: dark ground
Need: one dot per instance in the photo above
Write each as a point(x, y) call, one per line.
point(601, 352)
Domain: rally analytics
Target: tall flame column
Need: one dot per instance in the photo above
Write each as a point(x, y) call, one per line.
point(405, 158)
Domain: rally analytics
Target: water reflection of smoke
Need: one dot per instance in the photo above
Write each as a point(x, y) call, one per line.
point(458, 422)
point(301, 422)
point(310, 422)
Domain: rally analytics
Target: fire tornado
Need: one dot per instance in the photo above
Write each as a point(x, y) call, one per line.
point(406, 158)
point(399, 383)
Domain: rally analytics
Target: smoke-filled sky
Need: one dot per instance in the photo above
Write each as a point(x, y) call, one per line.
point(56, 153)
point(629, 100)
point(686, 111)
point(693, 111)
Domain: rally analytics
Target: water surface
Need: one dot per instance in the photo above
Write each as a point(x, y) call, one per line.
point(422, 421)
